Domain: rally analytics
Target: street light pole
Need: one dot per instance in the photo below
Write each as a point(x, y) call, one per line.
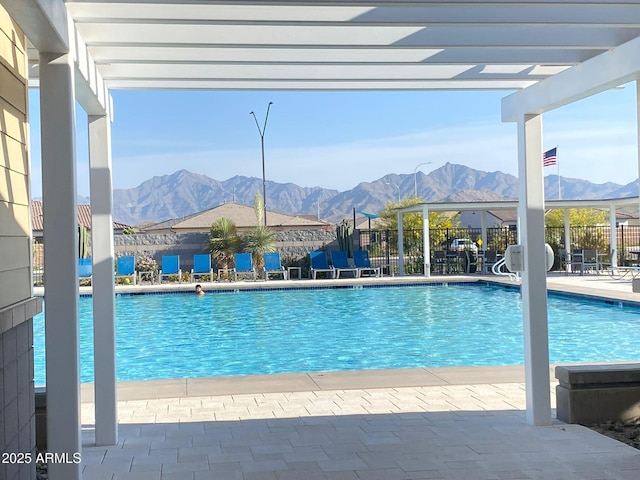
point(415, 178)
point(264, 178)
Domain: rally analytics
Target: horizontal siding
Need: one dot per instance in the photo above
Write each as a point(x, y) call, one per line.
point(12, 121)
point(12, 57)
point(13, 187)
point(15, 253)
point(13, 154)
point(15, 230)
point(14, 220)
point(15, 286)
point(13, 89)
point(12, 31)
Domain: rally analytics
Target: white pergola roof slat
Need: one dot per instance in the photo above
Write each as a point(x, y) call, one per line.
point(424, 14)
point(387, 45)
point(560, 36)
point(333, 55)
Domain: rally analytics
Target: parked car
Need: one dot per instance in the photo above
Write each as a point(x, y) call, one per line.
point(461, 244)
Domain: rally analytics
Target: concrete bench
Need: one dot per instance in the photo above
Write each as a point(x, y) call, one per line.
point(590, 394)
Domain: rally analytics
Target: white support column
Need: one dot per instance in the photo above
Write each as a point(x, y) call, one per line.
point(534, 278)
point(106, 415)
point(567, 240)
point(425, 241)
point(57, 113)
point(613, 237)
point(400, 245)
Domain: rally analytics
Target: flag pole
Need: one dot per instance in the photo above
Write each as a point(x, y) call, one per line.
point(558, 165)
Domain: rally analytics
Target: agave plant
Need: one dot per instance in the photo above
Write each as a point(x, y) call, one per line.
point(224, 241)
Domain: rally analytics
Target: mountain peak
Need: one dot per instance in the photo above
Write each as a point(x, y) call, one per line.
point(183, 193)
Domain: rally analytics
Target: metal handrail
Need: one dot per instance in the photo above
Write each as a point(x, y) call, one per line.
point(497, 269)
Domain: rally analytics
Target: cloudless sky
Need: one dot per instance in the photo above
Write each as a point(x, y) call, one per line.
point(339, 139)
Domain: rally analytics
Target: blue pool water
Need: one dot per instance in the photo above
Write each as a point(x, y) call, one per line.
point(257, 332)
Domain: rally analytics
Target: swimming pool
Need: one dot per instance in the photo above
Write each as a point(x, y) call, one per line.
point(305, 330)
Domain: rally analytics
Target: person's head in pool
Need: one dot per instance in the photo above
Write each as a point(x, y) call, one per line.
point(199, 290)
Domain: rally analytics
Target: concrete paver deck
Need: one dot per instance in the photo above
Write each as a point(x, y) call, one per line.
point(466, 423)
point(448, 423)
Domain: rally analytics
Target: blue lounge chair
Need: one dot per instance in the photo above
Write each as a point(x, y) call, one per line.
point(170, 266)
point(273, 266)
point(85, 269)
point(340, 262)
point(126, 268)
point(320, 264)
point(201, 266)
point(244, 265)
point(363, 263)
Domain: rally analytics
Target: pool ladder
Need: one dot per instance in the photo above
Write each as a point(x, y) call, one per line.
point(498, 269)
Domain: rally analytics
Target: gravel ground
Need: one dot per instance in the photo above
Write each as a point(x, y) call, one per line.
point(628, 433)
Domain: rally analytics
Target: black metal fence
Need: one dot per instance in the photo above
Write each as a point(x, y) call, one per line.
point(383, 244)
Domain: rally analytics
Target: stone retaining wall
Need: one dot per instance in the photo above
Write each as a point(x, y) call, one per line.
point(293, 245)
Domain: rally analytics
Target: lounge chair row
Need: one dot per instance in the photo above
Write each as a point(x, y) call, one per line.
point(170, 266)
point(340, 264)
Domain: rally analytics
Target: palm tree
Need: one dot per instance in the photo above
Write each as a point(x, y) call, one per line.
point(224, 241)
point(260, 241)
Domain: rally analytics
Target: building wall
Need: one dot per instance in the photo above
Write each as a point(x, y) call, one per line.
point(17, 307)
point(15, 228)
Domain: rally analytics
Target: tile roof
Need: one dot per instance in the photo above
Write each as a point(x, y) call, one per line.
point(244, 217)
point(84, 217)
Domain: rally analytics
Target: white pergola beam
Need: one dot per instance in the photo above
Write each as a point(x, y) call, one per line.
point(44, 22)
point(606, 71)
point(320, 85)
point(433, 13)
point(356, 35)
point(344, 72)
point(333, 55)
point(91, 91)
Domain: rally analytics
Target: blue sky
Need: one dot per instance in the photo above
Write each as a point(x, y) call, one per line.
point(339, 139)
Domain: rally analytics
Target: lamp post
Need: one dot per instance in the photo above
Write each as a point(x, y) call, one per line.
point(261, 131)
point(415, 178)
point(397, 187)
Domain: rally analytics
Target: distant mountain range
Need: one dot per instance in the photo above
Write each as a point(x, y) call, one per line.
point(183, 193)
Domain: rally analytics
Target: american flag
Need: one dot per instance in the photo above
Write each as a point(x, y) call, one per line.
point(550, 157)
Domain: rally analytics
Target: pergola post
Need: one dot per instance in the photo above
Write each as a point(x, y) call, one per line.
point(106, 432)
point(425, 241)
point(534, 277)
point(567, 241)
point(613, 237)
point(57, 113)
point(400, 245)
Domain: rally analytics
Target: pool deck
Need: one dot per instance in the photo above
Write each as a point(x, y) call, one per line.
point(425, 423)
